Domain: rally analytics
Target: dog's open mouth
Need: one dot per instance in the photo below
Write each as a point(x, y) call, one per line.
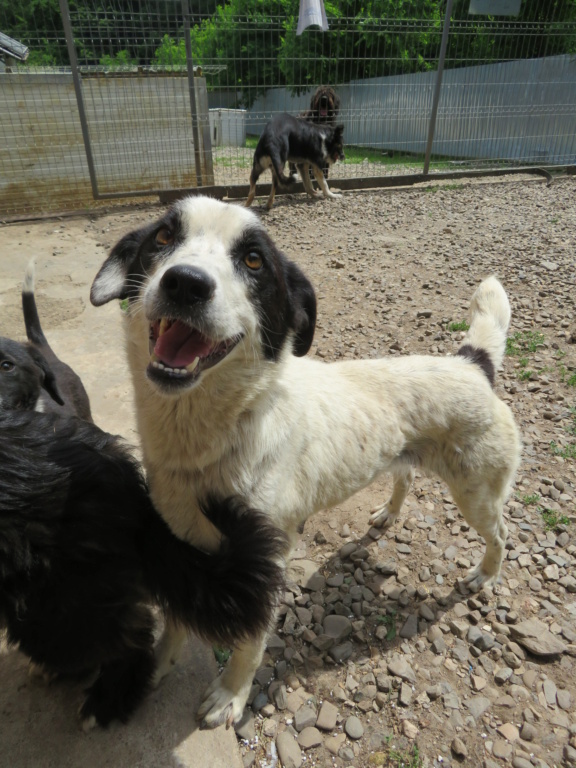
point(179, 353)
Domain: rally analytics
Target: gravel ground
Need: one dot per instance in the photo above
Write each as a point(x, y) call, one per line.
point(379, 657)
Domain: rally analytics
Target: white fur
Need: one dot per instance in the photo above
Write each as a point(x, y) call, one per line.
point(298, 435)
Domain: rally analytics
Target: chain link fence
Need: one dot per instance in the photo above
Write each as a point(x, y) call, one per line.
point(150, 96)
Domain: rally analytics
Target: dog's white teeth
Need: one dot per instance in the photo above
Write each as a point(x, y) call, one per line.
point(192, 367)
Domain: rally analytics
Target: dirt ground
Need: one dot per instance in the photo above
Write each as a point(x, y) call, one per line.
point(393, 271)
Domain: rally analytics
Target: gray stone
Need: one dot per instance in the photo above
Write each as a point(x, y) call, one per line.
point(288, 750)
point(304, 717)
point(341, 652)
point(477, 705)
point(337, 627)
point(399, 667)
point(535, 636)
point(410, 627)
point(309, 737)
point(353, 727)
point(327, 717)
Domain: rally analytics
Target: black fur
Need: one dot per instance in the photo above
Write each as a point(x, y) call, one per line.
point(31, 374)
point(83, 554)
point(324, 110)
point(288, 139)
point(479, 357)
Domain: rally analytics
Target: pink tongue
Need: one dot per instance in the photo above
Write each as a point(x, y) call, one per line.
point(180, 345)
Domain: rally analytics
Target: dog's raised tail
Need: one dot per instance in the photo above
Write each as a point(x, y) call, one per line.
point(34, 330)
point(485, 342)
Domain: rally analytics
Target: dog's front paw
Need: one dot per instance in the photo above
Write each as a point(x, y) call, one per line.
point(382, 517)
point(221, 705)
point(477, 579)
point(334, 195)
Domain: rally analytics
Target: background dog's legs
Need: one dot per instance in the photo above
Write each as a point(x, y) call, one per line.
point(168, 649)
point(225, 699)
point(385, 516)
point(481, 505)
point(270, 202)
point(252, 193)
point(304, 170)
point(323, 184)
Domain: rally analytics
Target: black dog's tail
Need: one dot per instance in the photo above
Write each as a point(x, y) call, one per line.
point(34, 330)
point(230, 595)
point(485, 342)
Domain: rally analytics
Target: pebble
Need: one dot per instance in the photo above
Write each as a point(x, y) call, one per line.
point(353, 727)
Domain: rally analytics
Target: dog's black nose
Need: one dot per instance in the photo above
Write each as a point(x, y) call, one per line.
point(187, 284)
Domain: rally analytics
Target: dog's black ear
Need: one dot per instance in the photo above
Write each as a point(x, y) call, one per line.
point(48, 379)
point(339, 130)
point(303, 302)
point(110, 282)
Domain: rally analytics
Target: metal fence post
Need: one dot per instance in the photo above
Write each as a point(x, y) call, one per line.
point(437, 86)
point(192, 92)
point(67, 24)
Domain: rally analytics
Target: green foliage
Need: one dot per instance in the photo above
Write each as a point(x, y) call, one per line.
point(221, 655)
point(553, 519)
point(530, 498)
point(524, 341)
point(458, 326)
point(389, 621)
point(170, 53)
point(120, 60)
point(568, 452)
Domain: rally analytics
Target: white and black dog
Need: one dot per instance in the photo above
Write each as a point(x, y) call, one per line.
point(309, 146)
point(84, 554)
point(33, 377)
point(217, 331)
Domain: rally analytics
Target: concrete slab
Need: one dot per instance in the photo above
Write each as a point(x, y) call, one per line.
point(38, 724)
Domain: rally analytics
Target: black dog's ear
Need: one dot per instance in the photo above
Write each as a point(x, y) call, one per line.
point(339, 129)
point(303, 301)
point(110, 282)
point(48, 379)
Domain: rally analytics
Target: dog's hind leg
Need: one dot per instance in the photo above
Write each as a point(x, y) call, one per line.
point(254, 175)
point(481, 505)
point(387, 514)
point(322, 183)
point(226, 697)
point(270, 201)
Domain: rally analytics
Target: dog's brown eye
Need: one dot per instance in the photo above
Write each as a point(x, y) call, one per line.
point(253, 260)
point(164, 236)
point(7, 365)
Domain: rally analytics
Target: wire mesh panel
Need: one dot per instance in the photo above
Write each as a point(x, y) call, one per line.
point(508, 93)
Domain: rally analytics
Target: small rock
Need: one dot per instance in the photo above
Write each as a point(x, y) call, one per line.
point(353, 727)
point(288, 750)
point(459, 748)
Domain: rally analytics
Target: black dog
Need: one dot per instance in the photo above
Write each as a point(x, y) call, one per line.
point(324, 110)
point(83, 553)
point(286, 138)
point(33, 377)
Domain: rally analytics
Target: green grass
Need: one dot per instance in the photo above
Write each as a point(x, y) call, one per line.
point(389, 621)
point(221, 655)
point(530, 498)
point(552, 519)
point(569, 452)
point(524, 341)
point(461, 326)
point(394, 758)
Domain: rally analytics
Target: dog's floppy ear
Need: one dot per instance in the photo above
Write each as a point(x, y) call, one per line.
point(110, 282)
point(303, 302)
point(339, 130)
point(48, 381)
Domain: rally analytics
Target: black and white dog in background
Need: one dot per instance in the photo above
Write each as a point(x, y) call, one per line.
point(84, 554)
point(288, 139)
point(218, 327)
